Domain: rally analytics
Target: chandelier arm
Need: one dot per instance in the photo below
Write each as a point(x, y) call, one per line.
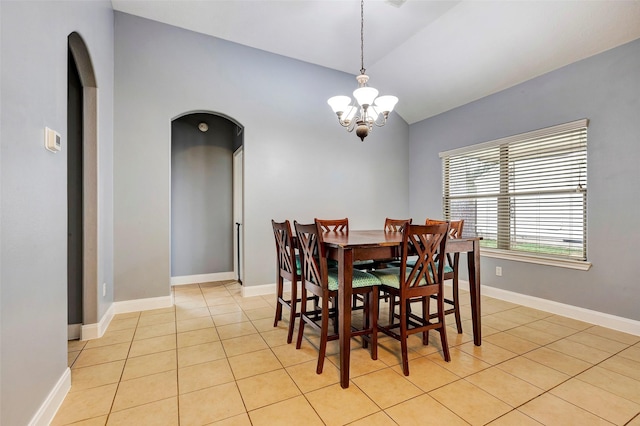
point(349, 125)
point(343, 123)
point(384, 116)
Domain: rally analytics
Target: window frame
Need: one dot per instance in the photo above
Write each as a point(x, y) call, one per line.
point(504, 218)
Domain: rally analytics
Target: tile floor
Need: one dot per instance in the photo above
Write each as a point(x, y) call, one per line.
point(215, 358)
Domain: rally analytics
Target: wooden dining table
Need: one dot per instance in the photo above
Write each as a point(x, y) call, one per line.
point(346, 247)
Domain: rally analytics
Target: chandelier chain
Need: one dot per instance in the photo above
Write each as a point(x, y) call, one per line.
point(362, 70)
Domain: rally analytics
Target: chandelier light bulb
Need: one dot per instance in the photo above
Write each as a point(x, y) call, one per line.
point(339, 104)
point(365, 95)
point(386, 103)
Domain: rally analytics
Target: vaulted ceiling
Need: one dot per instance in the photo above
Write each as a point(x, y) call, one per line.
point(433, 55)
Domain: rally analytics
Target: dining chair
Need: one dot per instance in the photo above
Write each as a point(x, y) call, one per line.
point(338, 226)
point(333, 225)
point(417, 281)
point(322, 282)
point(288, 267)
point(341, 225)
point(395, 225)
point(392, 225)
point(451, 269)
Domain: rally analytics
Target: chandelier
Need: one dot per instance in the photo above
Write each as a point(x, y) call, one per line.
point(367, 108)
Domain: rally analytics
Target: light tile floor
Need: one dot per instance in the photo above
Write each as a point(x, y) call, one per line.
point(215, 358)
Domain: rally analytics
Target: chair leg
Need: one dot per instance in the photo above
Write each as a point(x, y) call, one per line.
point(392, 307)
point(334, 303)
point(425, 317)
point(292, 315)
point(373, 321)
point(366, 318)
point(324, 331)
point(456, 305)
point(279, 292)
point(443, 328)
point(403, 338)
point(303, 313)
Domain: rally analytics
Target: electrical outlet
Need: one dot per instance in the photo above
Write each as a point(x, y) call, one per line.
point(104, 289)
point(499, 271)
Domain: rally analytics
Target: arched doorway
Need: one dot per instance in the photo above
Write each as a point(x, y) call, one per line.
point(206, 198)
point(82, 188)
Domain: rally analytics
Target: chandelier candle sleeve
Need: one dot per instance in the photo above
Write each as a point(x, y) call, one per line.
point(367, 108)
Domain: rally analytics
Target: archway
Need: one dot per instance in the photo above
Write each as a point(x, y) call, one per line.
point(79, 54)
point(206, 198)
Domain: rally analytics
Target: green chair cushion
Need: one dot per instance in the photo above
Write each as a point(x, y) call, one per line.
point(331, 263)
point(391, 276)
point(363, 262)
point(411, 262)
point(360, 279)
point(298, 265)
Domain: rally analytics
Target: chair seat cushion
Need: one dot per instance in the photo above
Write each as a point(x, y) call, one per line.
point(360, 279)
point(298, 265)
point(332, 263)
point(411, 262)
point(391, 276)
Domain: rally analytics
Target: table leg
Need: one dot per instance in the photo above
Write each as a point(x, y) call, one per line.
point(473, 260)
point(345, 276)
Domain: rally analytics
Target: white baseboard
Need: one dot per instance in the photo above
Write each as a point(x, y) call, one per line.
point(593, 317)
point(259, 290)
point(264, 290)
point(625, 325)
point(136, 305)
point(74, 331)
point(47, 411)
point(203, 278)
point(95, 331)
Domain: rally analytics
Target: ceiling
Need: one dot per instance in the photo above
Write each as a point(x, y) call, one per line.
point(433, 55)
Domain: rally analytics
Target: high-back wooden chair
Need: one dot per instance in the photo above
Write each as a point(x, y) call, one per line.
point(341, 225)
point(321, 281)
point(392, 225)
point(451, 269)
point(418, 281)
point(333, 225)
point(395, 225)
point(288, 268)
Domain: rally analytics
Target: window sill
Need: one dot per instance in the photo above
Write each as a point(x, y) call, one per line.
point(537, 259)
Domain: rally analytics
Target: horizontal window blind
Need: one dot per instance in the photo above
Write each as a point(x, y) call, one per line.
point(524, 193)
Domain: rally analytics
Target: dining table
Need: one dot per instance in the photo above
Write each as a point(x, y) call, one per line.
point(347, 247)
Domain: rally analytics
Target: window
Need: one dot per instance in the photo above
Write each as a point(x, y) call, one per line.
point(525, 194)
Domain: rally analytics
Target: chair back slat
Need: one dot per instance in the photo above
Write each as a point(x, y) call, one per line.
point(427, 242)
point(455, 231)
point(333, 225)
point(313, 260)
point(285, 248)
point(455, 226)
point(395, 225)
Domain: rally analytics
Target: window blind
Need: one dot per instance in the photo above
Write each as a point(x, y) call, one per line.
point(525, 193)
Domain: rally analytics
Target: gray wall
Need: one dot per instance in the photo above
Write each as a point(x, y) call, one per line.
point(201, 195)
point(298, 162)
point(33, 279)
point(606, 90)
